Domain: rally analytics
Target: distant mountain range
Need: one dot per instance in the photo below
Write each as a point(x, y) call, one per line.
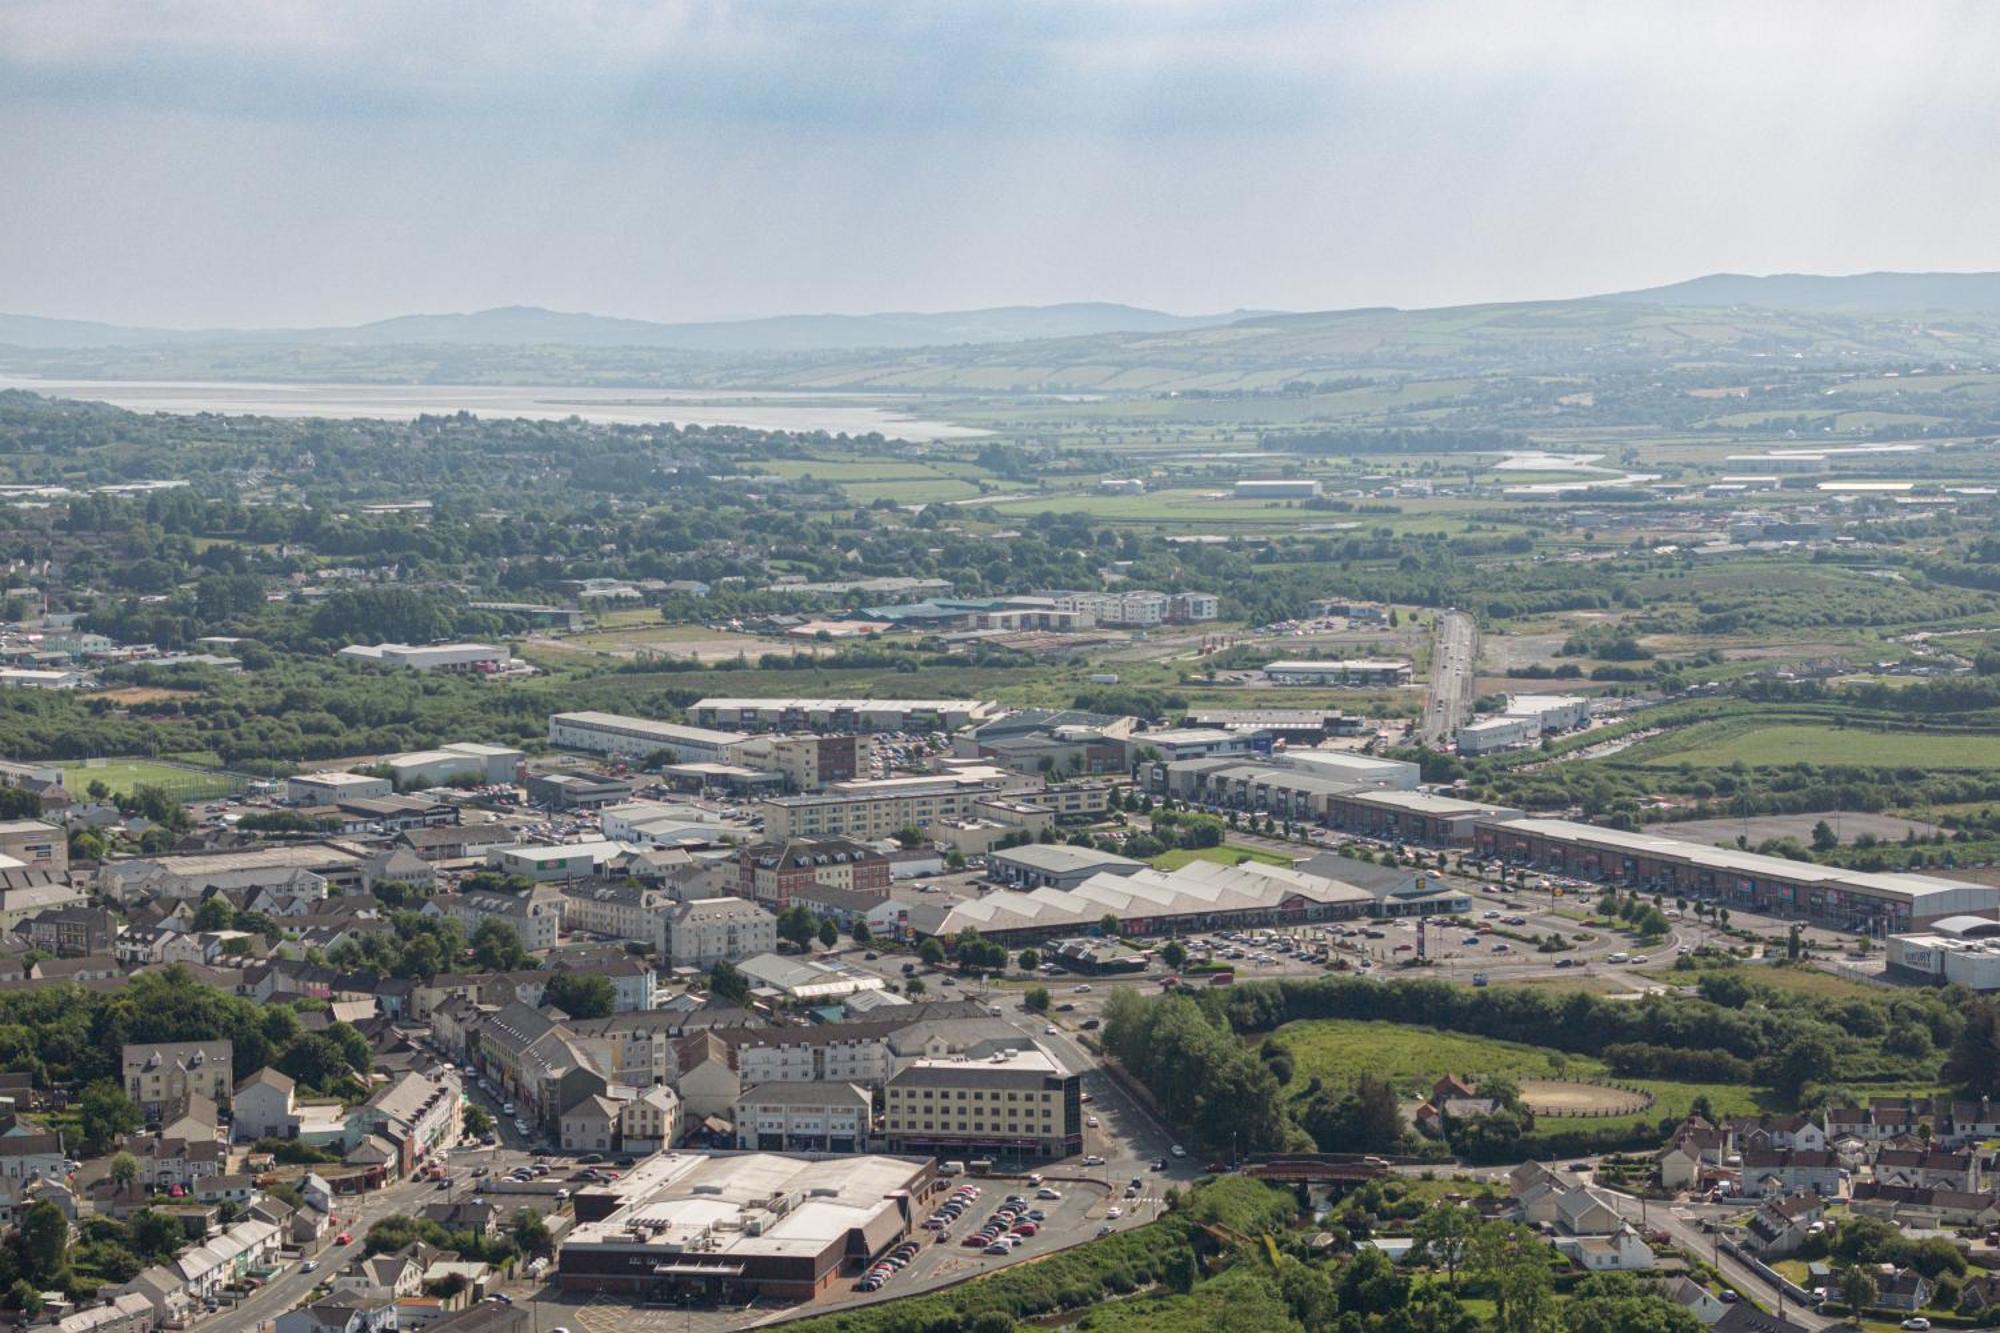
point(531, 326)
point(1855, 321)
point(1857, 293)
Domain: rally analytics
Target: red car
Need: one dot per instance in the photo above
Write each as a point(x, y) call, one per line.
point(344, 1238)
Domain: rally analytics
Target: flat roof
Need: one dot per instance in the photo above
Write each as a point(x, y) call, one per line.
point(1060, 856)
point(854, 705)
point(645, 726)
point(1341, 664)
point(1901, 886)
point(682, 1206)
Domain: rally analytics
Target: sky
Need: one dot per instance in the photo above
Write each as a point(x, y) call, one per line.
point(299, 162)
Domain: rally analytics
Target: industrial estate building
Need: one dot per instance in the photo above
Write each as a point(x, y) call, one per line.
point(1278, 488)
point(737, 1228)
point(642, 738)
point(1342, 671)
point(839, 714)
point(496, 764)
point(1851, 899)
point(1054, 865)
point(329, 788)
point(458, 658)
point(1198, 896)
point(1524, 721)
point(1955, 950)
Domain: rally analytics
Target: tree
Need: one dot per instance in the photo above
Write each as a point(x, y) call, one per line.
point(1174, 954)
point(931, 951)
point(124, 1168)
point(155, 1235)
point(1857, 1292)
point(1108, 924)
point(914, 986)
point(44, 1244)
point(828, 934)
point(215, 913)
point(478, 1122)
point(530, 1233)
point(859, 932)
point(316, 1061)
point(1806, 1058)
point(1513, 1265)
point(107, 1115)
point(796, 925)
point(1974, 1062)
point(1443, 1238)
point(725, 982)
point(1824, 839)
point(496, 947)
point(1029, 960)
point(1036, 1001)
point(581, 994)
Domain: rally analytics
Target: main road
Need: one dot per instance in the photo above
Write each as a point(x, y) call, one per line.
point(1454, 645)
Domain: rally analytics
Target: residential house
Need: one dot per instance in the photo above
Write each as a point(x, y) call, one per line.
point(534, 916)
point(127, 1313)
point(163, 1290)
point(804, 1117)
point(418, 1113)
point(1623, 1251)
point(1695, 1297)
point(349, 1312)
point(1780, 1225)
point(1789, 1172)
point(1929, 1167)
point(1902, 1289)
point(651, 1121)
point(591, 1125)
point(1589, 1211)
point(1771, 1132)
point(479, 1216)
point(266, 1107)
point(1926, 1207)
point(166, 1163)
point(159, 1073)
point(31, 1156)
point(707, 1082)
point(70, 932)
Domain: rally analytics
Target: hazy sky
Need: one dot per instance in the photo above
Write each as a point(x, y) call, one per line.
point(319, 161)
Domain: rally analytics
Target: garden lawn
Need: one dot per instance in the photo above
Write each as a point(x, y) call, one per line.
point(1224, 855)
point(1339, 1050)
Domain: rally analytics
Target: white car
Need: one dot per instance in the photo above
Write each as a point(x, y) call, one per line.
point(1091, 1121)
point(1177, 1151)
point(1114, 1212)
point(1048, 1192)
point(1079, 990)
point(1093, 1160)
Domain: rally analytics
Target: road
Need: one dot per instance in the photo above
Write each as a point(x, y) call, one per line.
point(1691, 1239)
point(1454, 646)
point(355, 1213)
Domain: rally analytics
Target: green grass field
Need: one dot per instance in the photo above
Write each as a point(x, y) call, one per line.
point(1338, 1051)
point(1224, 855)
point(123, 775)
point(1723, 745)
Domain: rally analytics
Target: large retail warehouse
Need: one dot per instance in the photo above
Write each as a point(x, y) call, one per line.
point(739, 1227)
point(1831, 895)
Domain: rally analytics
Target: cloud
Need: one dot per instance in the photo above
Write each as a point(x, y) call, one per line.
point(267, 161)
